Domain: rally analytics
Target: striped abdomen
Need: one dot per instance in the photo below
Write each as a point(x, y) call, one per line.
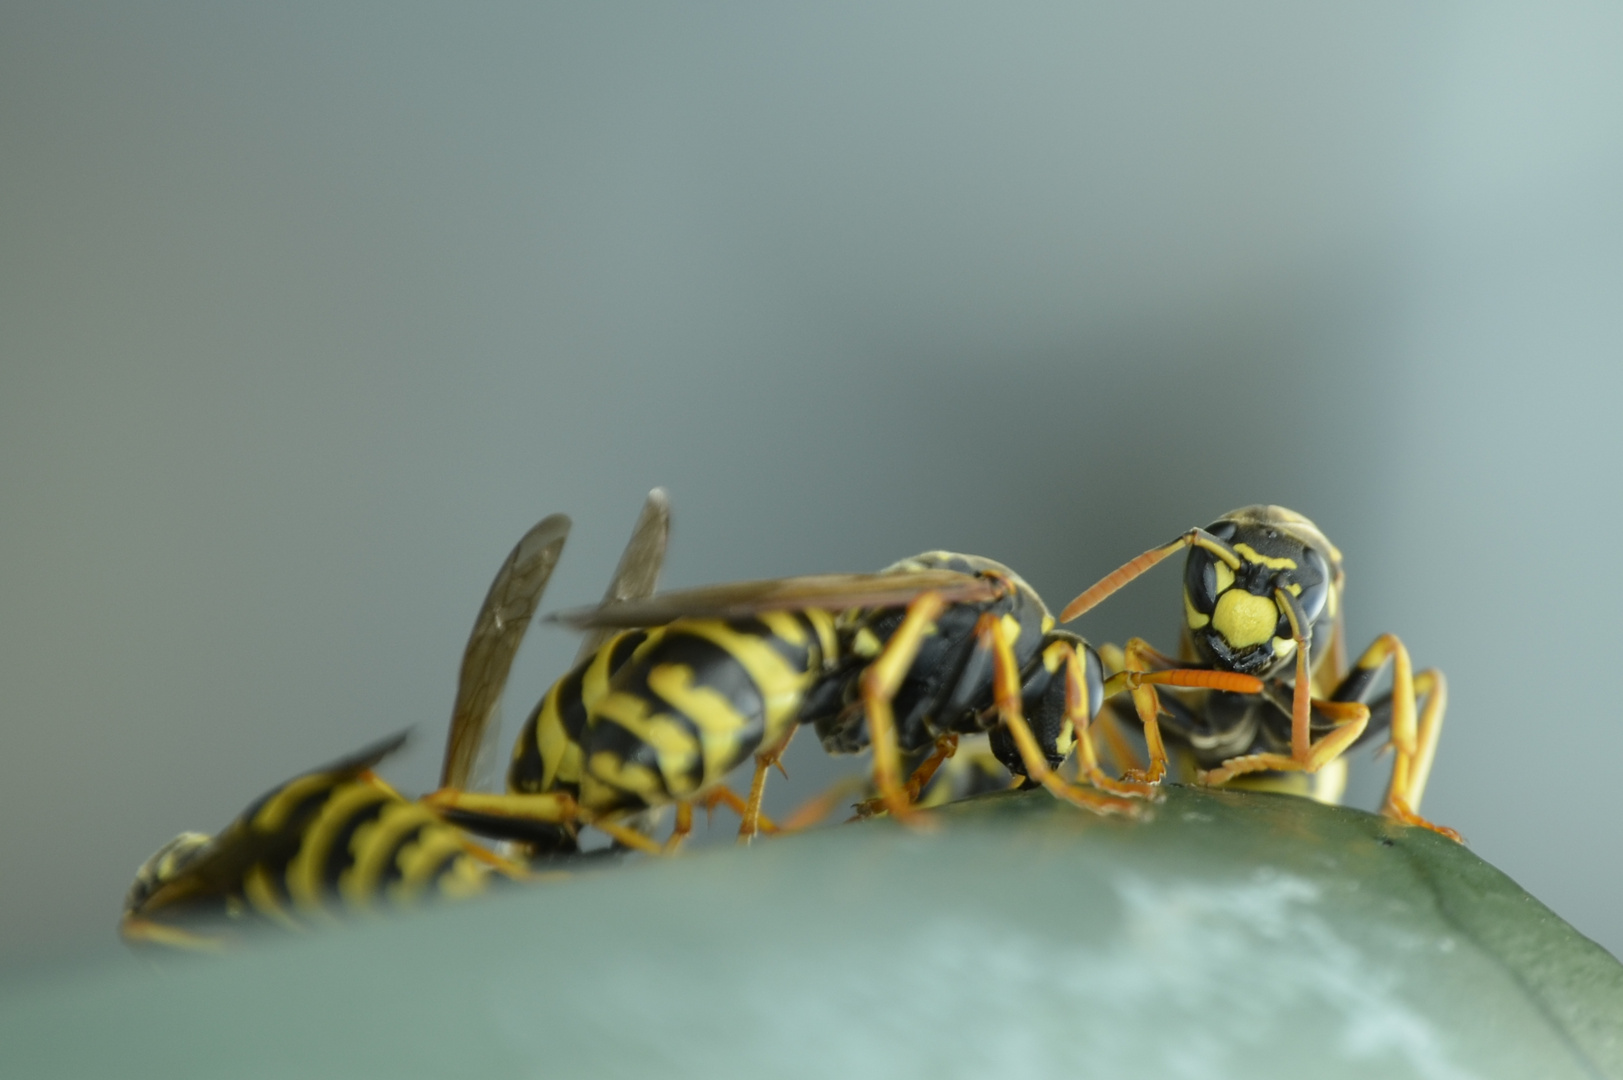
point(335, 838)
point(697, 697)
point(547, 755)
point(358, 843)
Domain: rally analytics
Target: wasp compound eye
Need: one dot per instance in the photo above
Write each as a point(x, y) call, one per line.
point(1205, 578)
point(1314, 579)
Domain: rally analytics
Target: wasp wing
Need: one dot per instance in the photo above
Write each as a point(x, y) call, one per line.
point(832, 592)
point(640, 563)
point(497, 632)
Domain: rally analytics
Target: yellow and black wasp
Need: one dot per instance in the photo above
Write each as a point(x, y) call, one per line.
point(1263, 596)
point(335, 837)
point(901, 661)
point(339, 838)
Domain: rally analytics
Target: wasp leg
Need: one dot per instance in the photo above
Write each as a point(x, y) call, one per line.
point(1006, 694)
point(681, 829)
point(1122, 754)
point(1144, 668)
point(765, 760)
point(1079, 712)
point(136, 930)
point(880, 681)
point(818, 807)
point(1350, 719)
point(732, 800)
point(945, 746)
point(1414, 739)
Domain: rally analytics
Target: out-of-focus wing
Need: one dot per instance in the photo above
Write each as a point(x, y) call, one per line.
point(832, 592)
point(497, 632)
point(638, 572)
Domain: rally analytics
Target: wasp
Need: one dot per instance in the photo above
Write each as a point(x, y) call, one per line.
point(338, 837)
point(690, 684)
point(335, 837)
point(1263, 596)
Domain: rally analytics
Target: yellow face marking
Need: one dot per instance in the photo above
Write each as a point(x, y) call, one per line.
point(866, 644)
point(1225, 577)
point(1195, 619)
point(1244, 619)
point(1247, 552)
point(1294, 589)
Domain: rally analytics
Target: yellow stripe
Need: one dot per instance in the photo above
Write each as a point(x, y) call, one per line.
point(304, 873)
point(273, 815)
point(785, 626)
point(828, 640)
point(257, 888)
point(551, 739)
point(779, 683)
point(607, 776)
point(673, 744)
point(466, 878)
point(719, 723)
point(1250, 554)
point(373, 846)
point(420, 859)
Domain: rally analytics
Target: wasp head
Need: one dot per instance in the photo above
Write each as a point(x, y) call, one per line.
point(1236, 614)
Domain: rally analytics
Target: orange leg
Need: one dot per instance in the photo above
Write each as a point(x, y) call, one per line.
point(1140, 676)
point(1006, 693)
point(138, 930)
point(818, 807)
point(726, 796)
point(750, 822)
point(879, 684)
point(682, 829)
point(1414, 738)
point(945, 746)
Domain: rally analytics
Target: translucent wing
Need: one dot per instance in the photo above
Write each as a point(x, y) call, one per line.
point(638, 572)
point(831, 592)
point(497, 632)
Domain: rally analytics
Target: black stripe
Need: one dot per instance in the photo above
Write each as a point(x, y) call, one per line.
point(338, 857)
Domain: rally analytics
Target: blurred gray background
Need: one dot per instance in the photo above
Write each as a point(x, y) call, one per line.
point(306, 314)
